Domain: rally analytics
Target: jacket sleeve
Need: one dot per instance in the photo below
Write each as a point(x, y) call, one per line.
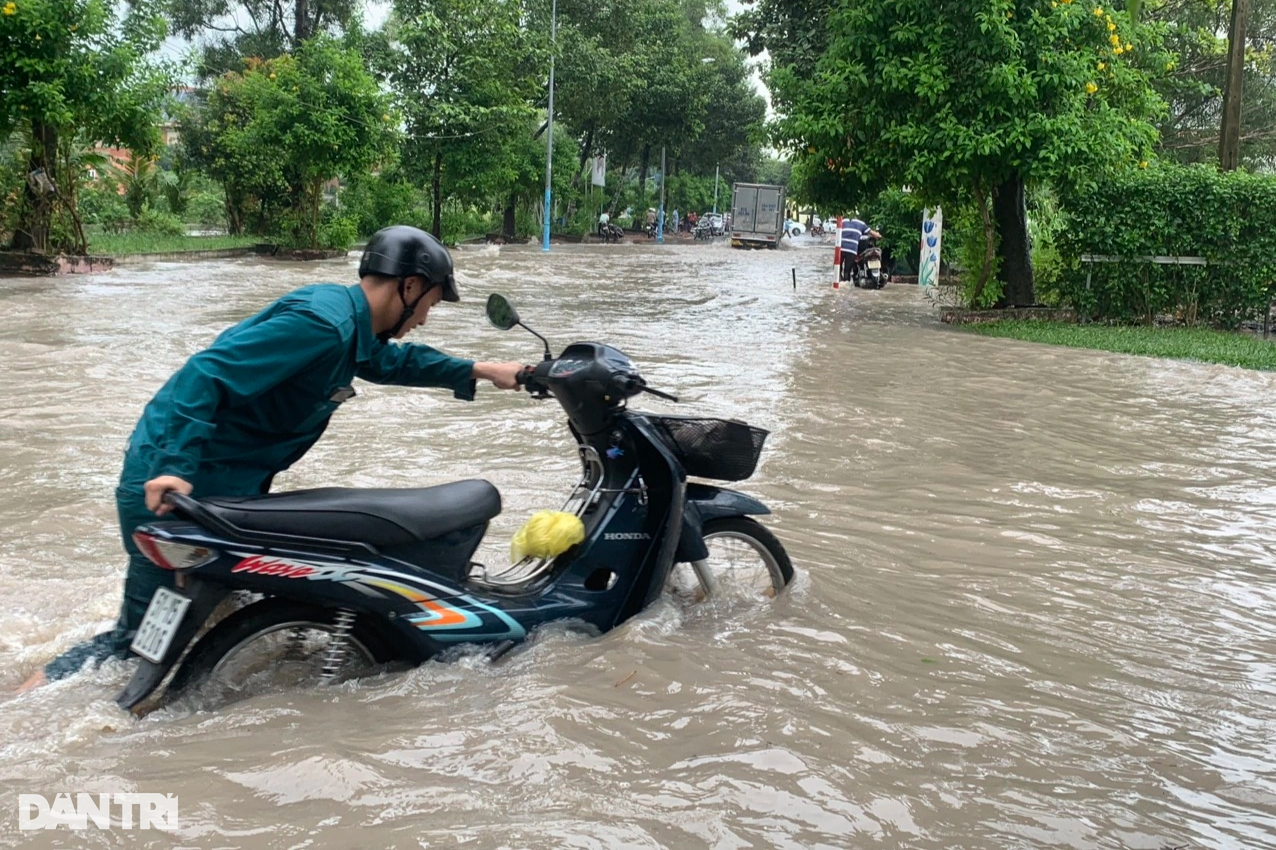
point(232, 372)
point(411, 365)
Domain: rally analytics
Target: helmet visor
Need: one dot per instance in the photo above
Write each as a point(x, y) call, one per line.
point(449, 289)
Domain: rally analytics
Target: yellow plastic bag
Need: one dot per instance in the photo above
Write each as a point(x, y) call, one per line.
point(546, 535)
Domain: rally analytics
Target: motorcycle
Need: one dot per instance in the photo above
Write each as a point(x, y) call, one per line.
point(868, 272)
point(611, 232)
point(350, 580)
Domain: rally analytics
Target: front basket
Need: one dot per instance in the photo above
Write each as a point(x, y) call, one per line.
point(721, 449)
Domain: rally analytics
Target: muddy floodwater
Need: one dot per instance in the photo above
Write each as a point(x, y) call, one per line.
point(1035, 602)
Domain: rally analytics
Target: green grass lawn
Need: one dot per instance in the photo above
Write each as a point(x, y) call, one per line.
point(1209, 346)
point(115, 244)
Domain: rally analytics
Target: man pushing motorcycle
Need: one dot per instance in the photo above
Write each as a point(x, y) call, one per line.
point(254, 402)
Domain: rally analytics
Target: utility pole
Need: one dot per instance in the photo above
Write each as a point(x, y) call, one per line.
point(1229, 137)
point(549, 147)
point(715, 190)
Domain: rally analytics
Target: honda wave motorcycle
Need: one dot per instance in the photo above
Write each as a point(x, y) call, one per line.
point(868, 270)
point(351, 580)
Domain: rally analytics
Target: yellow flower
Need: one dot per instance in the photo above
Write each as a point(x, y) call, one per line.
point(1128, 47)
point(1111, 27)
point(1143, 164)
point(385, 117)
point(1091, 88)
point(1169, 66)
point(1117, 51)
point(272, 75)
point(1066, 2)
point(9, 8)
point(1114, 40)
point(1103, 66)
point(1098, 11)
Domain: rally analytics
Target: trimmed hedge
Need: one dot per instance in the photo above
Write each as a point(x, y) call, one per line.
point(1229, 219)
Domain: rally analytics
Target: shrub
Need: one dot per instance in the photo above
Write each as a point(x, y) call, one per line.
point(152, 220)
point(338, 232)
point(1171, 211)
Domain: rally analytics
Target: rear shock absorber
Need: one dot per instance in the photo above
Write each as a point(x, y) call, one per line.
point(343, 622)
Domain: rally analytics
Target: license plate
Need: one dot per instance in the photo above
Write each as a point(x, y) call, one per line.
point(874, 264)
point(163, 616)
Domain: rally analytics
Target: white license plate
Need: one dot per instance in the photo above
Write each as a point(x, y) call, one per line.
point(163, 616)
point(874, 264)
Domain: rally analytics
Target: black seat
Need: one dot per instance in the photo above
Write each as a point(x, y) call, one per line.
point(378, 517)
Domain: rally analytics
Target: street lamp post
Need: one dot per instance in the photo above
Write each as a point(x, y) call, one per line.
point(549, 147)
point(660, 219)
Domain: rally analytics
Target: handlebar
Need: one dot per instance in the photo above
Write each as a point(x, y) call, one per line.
point(533, 379)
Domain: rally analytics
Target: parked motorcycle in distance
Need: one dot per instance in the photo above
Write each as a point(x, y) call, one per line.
point(351, 580)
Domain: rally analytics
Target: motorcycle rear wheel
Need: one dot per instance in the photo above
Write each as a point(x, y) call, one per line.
point(745, 559)
point(274, 644)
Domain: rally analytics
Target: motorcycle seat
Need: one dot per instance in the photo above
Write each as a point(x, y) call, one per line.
point(380, 517)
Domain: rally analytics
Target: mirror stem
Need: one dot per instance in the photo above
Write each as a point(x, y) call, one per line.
point(548, 356)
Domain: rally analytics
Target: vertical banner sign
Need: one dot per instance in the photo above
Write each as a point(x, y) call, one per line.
point(600, 171)
point(932, 236)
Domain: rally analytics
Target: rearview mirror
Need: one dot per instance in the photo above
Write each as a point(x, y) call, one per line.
point(501, 312)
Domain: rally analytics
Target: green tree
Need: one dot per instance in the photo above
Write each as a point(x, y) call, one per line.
point(466, 73)
point(967, 102)
point(73, 74)
point(285, 127)
point(1195, 33)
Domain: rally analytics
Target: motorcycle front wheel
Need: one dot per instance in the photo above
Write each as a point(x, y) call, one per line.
point(275, 645)
point(745, 561)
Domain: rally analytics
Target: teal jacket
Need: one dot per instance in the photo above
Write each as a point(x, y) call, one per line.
point(252, 403)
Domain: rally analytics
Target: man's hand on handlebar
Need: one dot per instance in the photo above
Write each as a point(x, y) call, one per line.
point(503, 375)
point(157, 487)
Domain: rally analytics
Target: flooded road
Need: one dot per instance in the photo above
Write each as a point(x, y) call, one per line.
point(1035, 604)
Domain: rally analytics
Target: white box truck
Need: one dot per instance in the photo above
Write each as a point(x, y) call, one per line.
point(757, 215)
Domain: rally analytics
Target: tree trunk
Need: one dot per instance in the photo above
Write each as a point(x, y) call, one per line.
point(642, 172)
point(990, 246)
point(301, 26)
point(1229, 137)
point(32, 231)
point(584, 157)
point(1011, 212)
point(314, 213)
point(620, 186)
point(437, 228)
point(234, 208)
point(507, 229)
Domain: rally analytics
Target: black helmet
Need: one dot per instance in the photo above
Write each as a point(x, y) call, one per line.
point(400, 251)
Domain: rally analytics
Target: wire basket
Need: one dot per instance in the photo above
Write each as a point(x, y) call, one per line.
point(721, 449)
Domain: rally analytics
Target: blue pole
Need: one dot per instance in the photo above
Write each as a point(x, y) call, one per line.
point(549, 148)
point(660, 218)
